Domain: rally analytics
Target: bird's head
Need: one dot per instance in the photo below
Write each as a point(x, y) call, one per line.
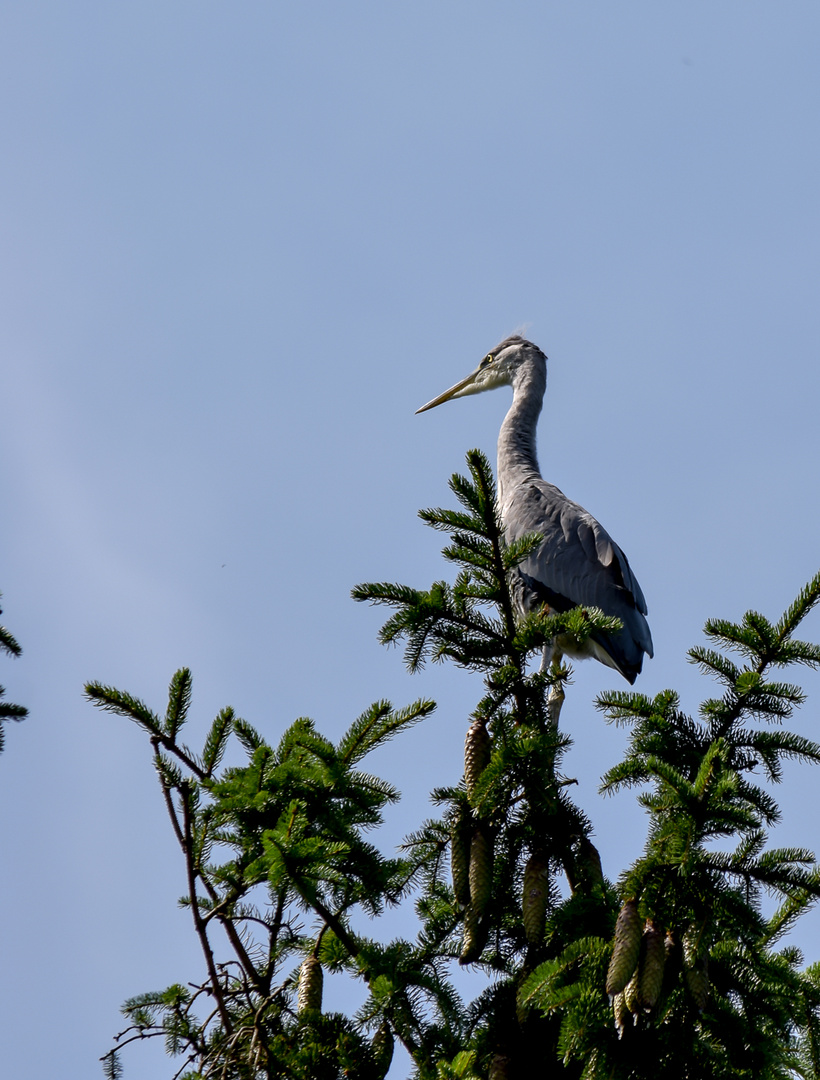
point(498, 368)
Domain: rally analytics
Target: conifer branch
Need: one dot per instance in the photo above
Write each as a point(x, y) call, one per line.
point(8, 643)
point(700, 990)
point(199, 924)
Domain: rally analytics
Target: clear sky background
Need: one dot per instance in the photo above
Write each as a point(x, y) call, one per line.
point(239, 245)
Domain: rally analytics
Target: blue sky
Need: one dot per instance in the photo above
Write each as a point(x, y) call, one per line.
point(239, 246)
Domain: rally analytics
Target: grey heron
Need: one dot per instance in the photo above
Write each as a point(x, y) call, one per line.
point(578, 562)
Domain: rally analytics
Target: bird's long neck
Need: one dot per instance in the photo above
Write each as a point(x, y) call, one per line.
point(517, 459)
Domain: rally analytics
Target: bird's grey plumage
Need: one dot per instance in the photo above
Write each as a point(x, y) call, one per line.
point(578, 563)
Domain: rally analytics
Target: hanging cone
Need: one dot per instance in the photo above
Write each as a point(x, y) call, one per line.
point(632, 994)
point(652, 963)
point(311, 978)
point(696, 968)
point(460, 856)
point(477, 750)
point(475, 936)
point(627, 948)
point(623, 1017)
point(481, 871)
point(697, 979)
point(522, 1009)
point(382, 1047)
point(500, 1067)
point(535, 897)
point(589, 861)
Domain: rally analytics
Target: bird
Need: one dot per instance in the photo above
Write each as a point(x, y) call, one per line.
point(578, 563)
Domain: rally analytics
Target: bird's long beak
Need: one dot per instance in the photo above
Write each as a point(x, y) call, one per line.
point(454, 391)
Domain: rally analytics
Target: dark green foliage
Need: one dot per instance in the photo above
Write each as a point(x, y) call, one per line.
point(276, 855)
point(8, 711)
point(730, 1003)
point(507, 878)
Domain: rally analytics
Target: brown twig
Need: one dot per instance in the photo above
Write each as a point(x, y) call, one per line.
point(199, 925)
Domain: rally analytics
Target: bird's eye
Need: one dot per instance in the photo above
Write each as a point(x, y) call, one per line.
point(488, 359)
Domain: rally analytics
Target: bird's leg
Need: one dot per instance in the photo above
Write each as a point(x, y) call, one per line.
point(555, 697)
point(555, 700)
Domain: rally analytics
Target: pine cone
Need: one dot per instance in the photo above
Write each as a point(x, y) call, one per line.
point(652, 962)
point(589, 863)
point(623, 1017)
point(627, 948)
point(695, 967)
point(632, 994)
point(697, 979)
point(311, 978)
point(477, 750)
point(535, 897)
point(382, 1047)
point(522, 1009)
point(475, 936)
point(460, 857)
point(669, 943)
point(500, 1067)
point(481, 871)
